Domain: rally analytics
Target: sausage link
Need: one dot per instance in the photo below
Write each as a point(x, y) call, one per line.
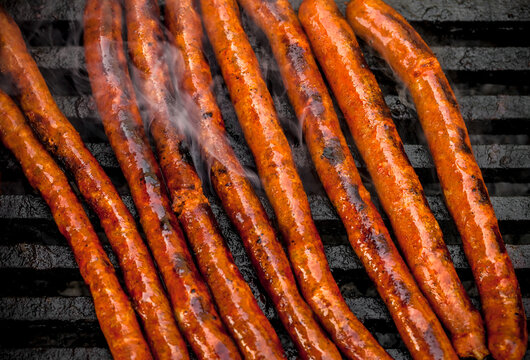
point(337, 171)
point(257, 116)
point(114, 95)
point(397, 185)
point(308, 95)
point(63, 141)
point(238, 307)
point(235, 191)
point(113, 308)
point(461, 179)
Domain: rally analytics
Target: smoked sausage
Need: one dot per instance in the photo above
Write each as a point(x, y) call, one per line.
point(463, 186)
point(399, 189)
point(116, 102)
point(63, 141)
point(113, 309)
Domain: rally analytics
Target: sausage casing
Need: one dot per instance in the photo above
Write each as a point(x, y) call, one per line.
point(234, 189)
point(463, 186)
point(63, 141)
point(397, 185)
point(113, 308)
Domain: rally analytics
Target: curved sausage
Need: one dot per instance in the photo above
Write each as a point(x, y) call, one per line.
point(63, 141)
point(461, 179)
point(114, 95)
point(113, 308)
point(308, 95)
point(397, 185)
point(338, 174)
point(239, 309)
point(235, 191)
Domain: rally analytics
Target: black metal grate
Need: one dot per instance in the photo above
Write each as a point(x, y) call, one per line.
point(484, 47)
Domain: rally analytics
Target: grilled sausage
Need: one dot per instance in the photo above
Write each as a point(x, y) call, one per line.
point(113, 309)
point(114, 95)
point(238, 307)
point(256, 113)
point(235, 191)
point(63, 141)
point(308, 95)
point(461, 179)
point(336, 169)
point(397, 185)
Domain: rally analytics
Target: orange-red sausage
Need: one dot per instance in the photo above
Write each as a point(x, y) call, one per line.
point(236, 193)
point(63, 141)
point(113, 309)
point(239, 309)
point(313, 107)
point(340, 178)
point(114, 95)
point(461, 179)
point(398, 186)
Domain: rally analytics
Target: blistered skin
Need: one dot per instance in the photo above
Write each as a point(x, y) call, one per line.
point(114, 95)
point(398, 186)
point(235, 191)
point(314, 109)
point(113, 309)
point(461, 179)
point(336, 168)
point(239, 309)
point(63, 141)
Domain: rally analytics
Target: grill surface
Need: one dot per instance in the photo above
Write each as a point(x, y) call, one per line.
point(45, 309)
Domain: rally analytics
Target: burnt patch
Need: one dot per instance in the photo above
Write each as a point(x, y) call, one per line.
point(393, 136)
point(401, 292)
point(498, 238)
point(446, 89)
point(180, 264)
point(354, 197)
point(378, 242)
point(333, 152)
point(296, 55)
point(480, 189)
point(463, 141)
point(207, 115)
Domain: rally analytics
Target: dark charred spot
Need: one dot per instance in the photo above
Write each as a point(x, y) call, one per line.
point(332, 152)
point(498, 238)
point(313, 100)
point(434, 346)
point(180, 264)
point(354, 197)
point(185, 153)
point(207, 115)
point(446, 89)
point(462, 135)
point(296, 55)
point(402, 292)
point(480, 188)
point(378, 242)
point(197, 306)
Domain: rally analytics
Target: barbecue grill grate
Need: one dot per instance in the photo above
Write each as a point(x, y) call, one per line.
point(45, 309)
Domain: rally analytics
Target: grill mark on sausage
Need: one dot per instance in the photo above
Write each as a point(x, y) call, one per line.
point(333, 152)
point(462, 136)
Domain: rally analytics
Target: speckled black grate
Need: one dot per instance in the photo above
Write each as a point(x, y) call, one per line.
point(484, 48)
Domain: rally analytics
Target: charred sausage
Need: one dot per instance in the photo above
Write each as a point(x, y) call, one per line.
point(465, 192)
point(235, 191)
point(238, 307)
point(115, 99)
point(397, 185)
point(63, 141)
point(337, 172)
point(275, 164)
point(113, 309)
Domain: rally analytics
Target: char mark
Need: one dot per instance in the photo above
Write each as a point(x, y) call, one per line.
point(333, 152)
point(463, 141)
